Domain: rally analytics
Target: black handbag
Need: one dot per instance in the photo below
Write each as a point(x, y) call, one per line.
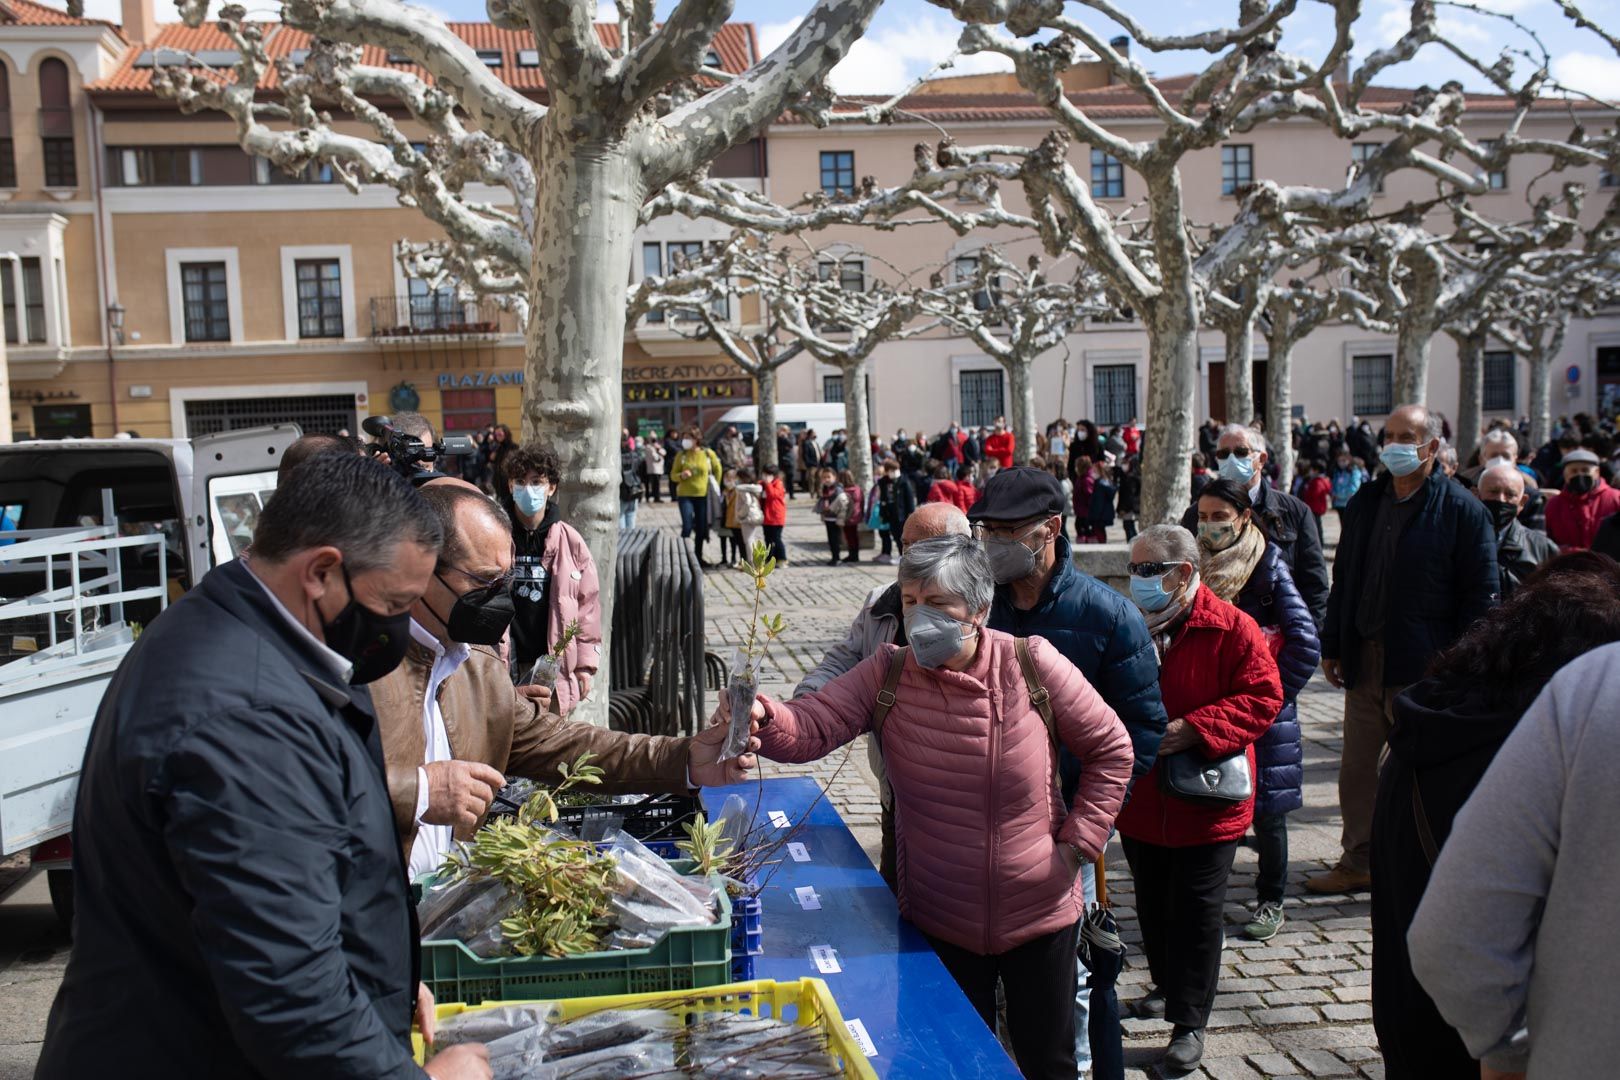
point(1215, 782)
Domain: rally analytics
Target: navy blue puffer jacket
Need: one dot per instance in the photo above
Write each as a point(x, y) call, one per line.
point(1272, 600)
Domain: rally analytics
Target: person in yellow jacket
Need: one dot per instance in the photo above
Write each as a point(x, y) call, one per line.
point(693, 472)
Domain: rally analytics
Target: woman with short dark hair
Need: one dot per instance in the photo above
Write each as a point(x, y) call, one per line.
point(1448, 728)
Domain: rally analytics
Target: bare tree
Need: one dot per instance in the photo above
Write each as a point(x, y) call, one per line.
point(1016, 316)
point(618, 126)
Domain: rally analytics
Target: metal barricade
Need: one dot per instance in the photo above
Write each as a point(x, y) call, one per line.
point(657, 667)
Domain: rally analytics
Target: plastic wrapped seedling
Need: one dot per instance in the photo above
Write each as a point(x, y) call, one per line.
point(749, 659)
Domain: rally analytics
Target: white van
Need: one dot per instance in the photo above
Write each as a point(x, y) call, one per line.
point(822, 417)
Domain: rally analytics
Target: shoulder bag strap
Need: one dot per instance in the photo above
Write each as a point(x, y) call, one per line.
point(1431, 850)
point(1042, 701)
point(886, 698)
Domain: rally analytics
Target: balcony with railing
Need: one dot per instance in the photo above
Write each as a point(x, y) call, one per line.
point(439, 316)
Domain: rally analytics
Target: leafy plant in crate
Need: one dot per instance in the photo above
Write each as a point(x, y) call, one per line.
point(749, 660)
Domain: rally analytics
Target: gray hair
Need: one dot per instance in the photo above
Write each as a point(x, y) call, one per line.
point(1167, 543)
point(1498, 435)
point(1256, 441)
point(363, 509)
point(413, 423)
point(1448, 455)
point(957, 564)
point(1434, 427)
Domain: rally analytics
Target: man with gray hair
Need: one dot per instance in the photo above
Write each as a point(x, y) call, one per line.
point(1519, 549)
point(1417, 564)
point(234, 853)
point(1497, 447)
point(878, 623)
point(1242, 454)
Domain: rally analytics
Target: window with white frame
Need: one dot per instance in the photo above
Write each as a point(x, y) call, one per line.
point(659, 257)
point(850, 273)
point(1372, 384)
point(430, 308)
point(320, 297)
point(832, 389)
point(967, 269)
point(1495, 179)
point(205, 296)
point(33, 288)
point(1113, 393)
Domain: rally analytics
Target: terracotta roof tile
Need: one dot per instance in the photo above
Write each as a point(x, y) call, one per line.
point(736, 45)
point(28, 13)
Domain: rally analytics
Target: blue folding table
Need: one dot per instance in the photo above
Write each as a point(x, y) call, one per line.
point(889, 979)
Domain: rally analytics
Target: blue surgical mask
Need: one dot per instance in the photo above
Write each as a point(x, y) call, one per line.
point(1239, 470)
point(1401, 459)
point(1148, 593)
point(935, 637)
point(530, 499)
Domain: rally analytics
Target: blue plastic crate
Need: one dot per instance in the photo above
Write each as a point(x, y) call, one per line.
point(747, 938)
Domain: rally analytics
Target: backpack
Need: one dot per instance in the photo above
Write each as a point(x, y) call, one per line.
point(630, 488)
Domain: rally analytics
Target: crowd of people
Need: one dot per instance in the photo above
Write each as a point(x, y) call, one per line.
point(320, 719)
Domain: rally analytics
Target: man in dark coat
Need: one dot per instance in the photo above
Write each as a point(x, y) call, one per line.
point(785, 458)
point(1519, 548)
point(1019, 516)
point(809, 461)
point(1288, 521)
point(1416, 566)
point(241, 901)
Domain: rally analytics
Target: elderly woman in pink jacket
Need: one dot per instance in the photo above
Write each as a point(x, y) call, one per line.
point(988, 855)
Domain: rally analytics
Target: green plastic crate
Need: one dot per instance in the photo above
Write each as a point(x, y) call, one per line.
point(687, 958)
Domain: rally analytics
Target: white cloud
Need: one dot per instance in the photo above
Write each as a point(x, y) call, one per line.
point(1589, 72)
point(607, 11)
point(890, 58)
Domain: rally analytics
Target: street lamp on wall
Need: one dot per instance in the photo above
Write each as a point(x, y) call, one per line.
point(115, 320)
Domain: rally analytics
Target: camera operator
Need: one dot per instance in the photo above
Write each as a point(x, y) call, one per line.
point(452, 724)
point(418, 426)
point(235, 865)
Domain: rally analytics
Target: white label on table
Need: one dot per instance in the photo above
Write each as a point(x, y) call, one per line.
point(825, 959)
point(857, 1030)
point(798, 852)
point(779, 820)
point(806, 895)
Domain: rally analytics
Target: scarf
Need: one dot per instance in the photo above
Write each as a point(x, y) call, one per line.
point(1162, 624)
point(1228, 570)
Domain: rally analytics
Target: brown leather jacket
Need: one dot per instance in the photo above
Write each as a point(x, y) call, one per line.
point(488, 721)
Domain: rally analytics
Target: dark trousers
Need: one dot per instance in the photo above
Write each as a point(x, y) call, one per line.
point(654, 483)
point(1038, 978)
point(1179, 895)
point(1271, 843)
point(835, 537)
point(695, 519)
point(888, 541)
point(787, 480)
point(852, 540)
point(1130, 528)
point(773, 538)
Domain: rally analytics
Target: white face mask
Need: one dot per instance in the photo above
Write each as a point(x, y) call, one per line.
point(686, 444)
point(1499, 459)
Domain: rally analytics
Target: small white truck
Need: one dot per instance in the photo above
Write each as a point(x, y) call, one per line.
point(97, 536)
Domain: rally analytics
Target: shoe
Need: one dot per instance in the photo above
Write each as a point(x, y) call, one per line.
point(1149, 1007)
point(832, 562)
point(853, 558)
point(706, 564)
point(1186, 1049)
point(1268, 919)
point(1338, 880)
point(884, 560)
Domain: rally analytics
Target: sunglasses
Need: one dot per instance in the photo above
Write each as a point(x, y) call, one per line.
point(1149, 569)
point(491, 586)
point(1241, 451)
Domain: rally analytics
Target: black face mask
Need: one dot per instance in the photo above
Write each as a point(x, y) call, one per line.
point(375, 644)
point(1581, 484)
point(1503, 514)
point(479, 617)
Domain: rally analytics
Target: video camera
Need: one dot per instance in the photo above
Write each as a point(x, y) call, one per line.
point(407, 452)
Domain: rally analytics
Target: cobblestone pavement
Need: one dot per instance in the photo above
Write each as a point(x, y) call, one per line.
point(1296, 1006)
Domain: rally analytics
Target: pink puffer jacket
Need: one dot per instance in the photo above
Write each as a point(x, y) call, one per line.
point(977, 812)
point(575, 594)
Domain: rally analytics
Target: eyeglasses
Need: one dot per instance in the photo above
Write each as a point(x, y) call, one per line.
point(482, 584)
point(1149, 569)
point(1016, 533)
point(1240, 451)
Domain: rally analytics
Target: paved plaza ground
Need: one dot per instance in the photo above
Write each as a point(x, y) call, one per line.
point(1295, 1006)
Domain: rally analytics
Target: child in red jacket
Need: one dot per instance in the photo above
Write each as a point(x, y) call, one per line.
point(774, 501)
point(1317, 493)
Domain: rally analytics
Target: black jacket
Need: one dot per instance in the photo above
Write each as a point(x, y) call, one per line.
point(1444, 577)
point(242, 906)
point(1442, 742)
point(1519, 551)
point(1291, 526)
point(898, 500)
point(1607, 540)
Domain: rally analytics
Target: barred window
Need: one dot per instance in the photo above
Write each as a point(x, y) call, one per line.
point(1499, 381)
point(1372, 384)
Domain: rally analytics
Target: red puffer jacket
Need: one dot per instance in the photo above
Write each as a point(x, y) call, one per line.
point(1218, 675)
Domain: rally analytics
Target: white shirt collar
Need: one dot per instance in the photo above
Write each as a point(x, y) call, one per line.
point(336, 661)
point(451, 656)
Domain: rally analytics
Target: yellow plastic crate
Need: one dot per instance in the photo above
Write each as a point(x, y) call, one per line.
point(808, 1001)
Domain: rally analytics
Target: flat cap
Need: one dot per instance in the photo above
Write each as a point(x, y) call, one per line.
point(1018, 494)
point(1579, 457)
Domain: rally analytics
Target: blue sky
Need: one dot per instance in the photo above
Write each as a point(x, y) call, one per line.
point(908, 37)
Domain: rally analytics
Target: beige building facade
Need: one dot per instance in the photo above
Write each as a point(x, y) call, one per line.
point(159, 280)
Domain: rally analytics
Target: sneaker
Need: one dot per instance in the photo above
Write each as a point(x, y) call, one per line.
point(1268, 919)
point(1338, 880)
point(1186, 1049)
point(1150, 1007)
point(884, 560)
